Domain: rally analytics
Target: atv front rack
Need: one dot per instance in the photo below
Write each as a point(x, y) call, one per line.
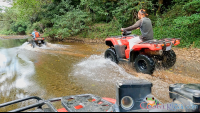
point(171, 40)
point(38, 105)
point(86, 103)
point(162, 41)
point(76, 103)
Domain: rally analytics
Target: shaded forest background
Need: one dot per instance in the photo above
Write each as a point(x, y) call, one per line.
point(102, 18)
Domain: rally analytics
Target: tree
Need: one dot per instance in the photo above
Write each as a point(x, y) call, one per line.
point(160, 3)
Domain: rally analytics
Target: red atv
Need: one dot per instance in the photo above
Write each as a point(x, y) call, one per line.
point(144, 55)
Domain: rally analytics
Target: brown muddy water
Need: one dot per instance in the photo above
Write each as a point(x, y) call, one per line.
point(62, 69)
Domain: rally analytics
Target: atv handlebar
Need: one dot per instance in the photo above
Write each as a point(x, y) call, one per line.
point(125, 33)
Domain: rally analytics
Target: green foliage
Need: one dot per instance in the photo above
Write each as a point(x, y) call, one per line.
point(71, 23)
point(29, 9)
point(192, 7)
point(187, 20)
point(50, 32)
point(102, 30)
point(103, 18)
point(125, 11)
point(181, 2)
point(188, 36)
point(7, 32)
point(99, 9)
point(19, 26)
point(8, 21)
point(182, 21)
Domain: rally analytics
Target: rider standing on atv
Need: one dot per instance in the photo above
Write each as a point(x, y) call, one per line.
point(35, 34)
point(145, 26)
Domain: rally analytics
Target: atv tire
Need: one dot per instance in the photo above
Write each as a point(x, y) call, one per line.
point(169, 59)
point(110, 54)
point(144, 64)
point(40, 45)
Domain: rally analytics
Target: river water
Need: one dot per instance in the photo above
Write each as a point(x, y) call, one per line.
point(56, 70)
point(61, 69)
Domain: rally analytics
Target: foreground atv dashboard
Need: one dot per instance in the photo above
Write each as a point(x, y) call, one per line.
point(131, 95)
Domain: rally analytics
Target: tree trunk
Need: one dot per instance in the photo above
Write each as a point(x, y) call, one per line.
point(160, 3)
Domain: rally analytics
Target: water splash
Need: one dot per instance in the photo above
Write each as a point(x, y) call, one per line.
point(97, 68)
point(48, 46)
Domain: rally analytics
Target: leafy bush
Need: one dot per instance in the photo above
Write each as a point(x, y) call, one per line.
point(185, 27)
point(187, 20)
point(102, 30)
point(70, 24)
point(125, 11)
point(192, 7)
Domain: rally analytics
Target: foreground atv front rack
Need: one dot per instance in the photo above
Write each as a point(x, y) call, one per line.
point(76, 103)
point(39, 103)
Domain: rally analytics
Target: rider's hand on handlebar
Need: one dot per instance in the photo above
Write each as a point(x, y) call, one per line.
point(122, 29)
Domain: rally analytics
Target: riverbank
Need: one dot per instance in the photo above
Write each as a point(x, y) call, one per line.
point(69, 39)
point(79, 40)
point(14, 36)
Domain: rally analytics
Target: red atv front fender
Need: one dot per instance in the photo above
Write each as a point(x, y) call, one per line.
point(112, 41)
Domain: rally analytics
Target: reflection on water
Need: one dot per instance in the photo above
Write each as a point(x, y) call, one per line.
point(9, 43)
point(15, 70)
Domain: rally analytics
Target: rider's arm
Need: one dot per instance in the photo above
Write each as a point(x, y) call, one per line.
point(33, 34)
point(135, 26)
